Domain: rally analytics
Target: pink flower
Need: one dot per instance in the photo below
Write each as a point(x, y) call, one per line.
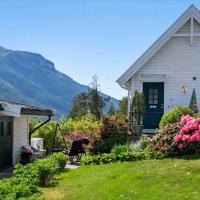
point(181, 146)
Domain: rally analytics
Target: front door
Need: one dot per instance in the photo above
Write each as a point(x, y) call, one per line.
point(6, 134)
point(154, 101)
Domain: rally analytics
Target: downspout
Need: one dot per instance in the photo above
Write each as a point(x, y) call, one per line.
point(30, 133)
point(129, 104)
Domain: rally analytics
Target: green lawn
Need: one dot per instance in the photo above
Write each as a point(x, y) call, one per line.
point(166, 179)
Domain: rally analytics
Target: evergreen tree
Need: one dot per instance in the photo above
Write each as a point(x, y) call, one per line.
point(193, 102)
point(79, 106)
point(111, 110)
point(91, 101)
point(123, 106)
point(95, 101)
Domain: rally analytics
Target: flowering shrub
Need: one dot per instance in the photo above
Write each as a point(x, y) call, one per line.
point(162, 143)
point(188, 138)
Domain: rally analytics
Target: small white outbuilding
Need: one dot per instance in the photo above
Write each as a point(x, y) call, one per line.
point(169, 70)
point(14, 129)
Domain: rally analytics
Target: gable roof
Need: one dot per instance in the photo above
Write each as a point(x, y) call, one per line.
point(192, 11)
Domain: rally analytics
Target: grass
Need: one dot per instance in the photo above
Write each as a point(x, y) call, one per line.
point(167, 179)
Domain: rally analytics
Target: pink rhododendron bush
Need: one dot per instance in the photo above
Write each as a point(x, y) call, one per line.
point(188, 138)
point(178, 138)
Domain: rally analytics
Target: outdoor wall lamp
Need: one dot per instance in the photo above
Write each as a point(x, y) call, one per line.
point(184, 89)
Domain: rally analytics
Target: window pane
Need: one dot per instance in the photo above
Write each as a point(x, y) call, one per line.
point(1, 128)
point(9, 128)
point(150, 96)
point(155, 101)
point(150, 91)
point(155, 97)
point(155, 91)
point(150, 101)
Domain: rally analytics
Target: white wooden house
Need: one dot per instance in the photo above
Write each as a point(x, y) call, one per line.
point(169, 70)
point(14, 129)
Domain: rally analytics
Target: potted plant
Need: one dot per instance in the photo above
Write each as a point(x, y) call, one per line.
point(138, 109)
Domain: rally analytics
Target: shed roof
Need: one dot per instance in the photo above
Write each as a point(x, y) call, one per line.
point(27, 109)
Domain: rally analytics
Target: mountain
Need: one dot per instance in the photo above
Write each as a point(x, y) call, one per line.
point(30, 78)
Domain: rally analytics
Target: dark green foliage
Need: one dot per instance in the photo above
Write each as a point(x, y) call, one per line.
point(138, 107)
point(111, 157)
point(193, 102)
point(174, 115)
point(114, 132)
point(123, 106)
point(96, 103)
point(79, 106)
point(60, 158)
point(91, 101)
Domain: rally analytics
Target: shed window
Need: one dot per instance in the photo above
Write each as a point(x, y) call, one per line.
point(1, 128)
point(9, 128)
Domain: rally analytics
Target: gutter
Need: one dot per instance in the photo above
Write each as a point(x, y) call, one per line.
point(32, 131)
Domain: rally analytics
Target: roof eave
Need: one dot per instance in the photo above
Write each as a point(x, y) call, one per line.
point(192, 10)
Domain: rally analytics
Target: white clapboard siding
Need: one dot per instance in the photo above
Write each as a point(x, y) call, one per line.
point(20, 136)
point(180, 61)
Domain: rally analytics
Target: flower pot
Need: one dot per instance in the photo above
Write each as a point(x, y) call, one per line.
point(137, 130)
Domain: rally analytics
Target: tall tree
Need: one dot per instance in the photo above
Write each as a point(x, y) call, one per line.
point(91, 101)
point(123, 106)
point(79, 106)
point(95, 101)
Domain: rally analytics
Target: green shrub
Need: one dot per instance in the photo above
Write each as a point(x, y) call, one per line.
point(46, 169)
point(60, 158)
point(40, 172)
point(132, 156)
point(15, 188)
point(118, 149)
point(114, 132)
point(110, 157)
point(174, 115)
point(28, 177)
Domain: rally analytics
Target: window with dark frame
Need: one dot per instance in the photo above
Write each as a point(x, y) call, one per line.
point(1, 128)
point(9, 128)
point(153, 96)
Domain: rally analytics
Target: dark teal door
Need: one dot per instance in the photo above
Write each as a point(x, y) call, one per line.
point(6, 134)
point(154, 100)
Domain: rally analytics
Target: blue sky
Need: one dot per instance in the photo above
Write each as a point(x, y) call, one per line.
point(84, 38)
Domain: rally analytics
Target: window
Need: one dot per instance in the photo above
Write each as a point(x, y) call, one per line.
point(153, 96)
point(1, 128)
point(9, 128)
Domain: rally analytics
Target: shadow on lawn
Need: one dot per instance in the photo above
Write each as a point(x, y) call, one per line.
point(189, 157)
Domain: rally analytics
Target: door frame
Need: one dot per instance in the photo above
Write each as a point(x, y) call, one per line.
point(164, 98)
